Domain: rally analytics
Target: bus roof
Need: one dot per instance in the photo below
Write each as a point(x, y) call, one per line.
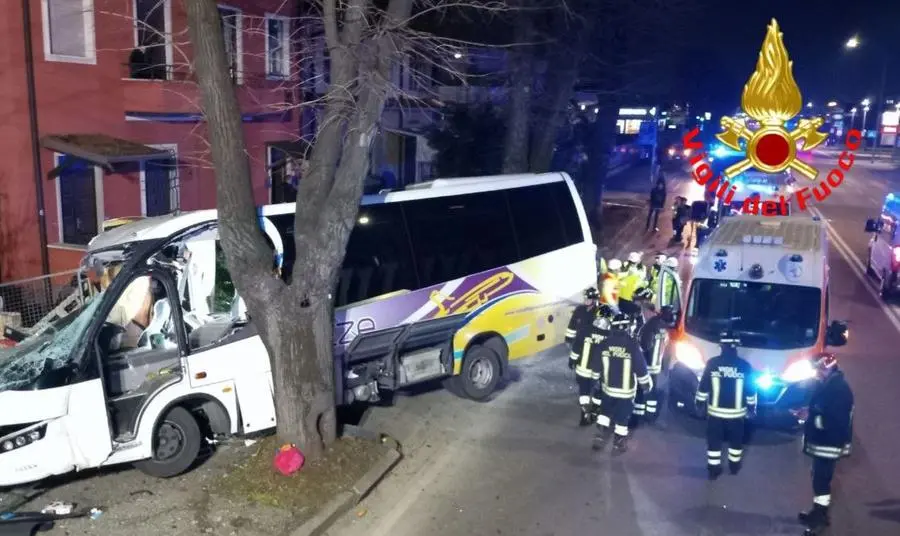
point(788, 250)
point(159, 227)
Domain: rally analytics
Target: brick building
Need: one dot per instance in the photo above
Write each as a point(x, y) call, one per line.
point(114, 122)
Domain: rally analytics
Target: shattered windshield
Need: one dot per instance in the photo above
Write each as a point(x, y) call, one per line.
point(49, 350)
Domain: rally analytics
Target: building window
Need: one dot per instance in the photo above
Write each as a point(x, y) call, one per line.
point(278, 46)
point(159, 184)
point(77, 200)
point(152, 57)
point(231, 28)
point(69, 31)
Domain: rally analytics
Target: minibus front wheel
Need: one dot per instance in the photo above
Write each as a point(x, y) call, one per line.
point(176, 444)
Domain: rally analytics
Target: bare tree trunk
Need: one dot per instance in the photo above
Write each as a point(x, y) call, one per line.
point(602, 143)
point(296, 322)
point(561, 78)
point(518, 112)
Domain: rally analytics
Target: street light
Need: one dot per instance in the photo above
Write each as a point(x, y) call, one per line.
point(866, 102)
point(854, 43)
point(865, 112)
point(809, 105)
point(832, 104)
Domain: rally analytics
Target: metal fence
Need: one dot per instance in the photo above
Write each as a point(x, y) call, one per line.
point(25, 302)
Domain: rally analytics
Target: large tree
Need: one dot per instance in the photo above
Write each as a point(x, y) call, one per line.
point(295, 319)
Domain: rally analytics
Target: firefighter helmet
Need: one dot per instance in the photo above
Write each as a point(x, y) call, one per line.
point(634, 257)
point(614, 265)
point(659, 258)
point(621, 322)
point(671, 262)
point(728, 338)
point(591, 293)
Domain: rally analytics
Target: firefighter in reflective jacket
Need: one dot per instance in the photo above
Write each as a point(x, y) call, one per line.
point(583, 315)
point(668, 289)
point(587, 372)
point(827, 436)
point(620, 367)
point(653, 337)
point(727, 393)
point(632, 278)
point(609, 290)
point(653, 275)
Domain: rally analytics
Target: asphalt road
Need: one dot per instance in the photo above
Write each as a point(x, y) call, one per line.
point(518, 465)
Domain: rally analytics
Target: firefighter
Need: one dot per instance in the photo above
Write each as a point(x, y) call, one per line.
point(609, 290)
point(668, 288)
point(652, 338)
point(727, 395)
point(586, 372)
point(653, 272)
point(631, 279)
point(827, 436)
point(621, 368)
point(583, 315)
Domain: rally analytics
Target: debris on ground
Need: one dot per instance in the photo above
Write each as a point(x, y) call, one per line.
point(58, 508)
point(249, 442)
point(288, 460)
point(304, 492)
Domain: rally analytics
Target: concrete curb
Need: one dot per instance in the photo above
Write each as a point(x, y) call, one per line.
point(345, 501)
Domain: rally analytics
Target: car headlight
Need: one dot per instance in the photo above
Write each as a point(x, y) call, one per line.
point(799, 371)
point(688, 355)
point(671, 152)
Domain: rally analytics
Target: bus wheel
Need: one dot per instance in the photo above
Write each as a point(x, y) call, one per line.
point(480, 372)
point(176, 444)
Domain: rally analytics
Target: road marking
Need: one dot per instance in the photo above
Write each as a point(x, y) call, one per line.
point(858, 269)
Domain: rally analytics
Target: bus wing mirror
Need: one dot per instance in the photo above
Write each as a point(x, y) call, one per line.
point(873, 225)
point(838, 334)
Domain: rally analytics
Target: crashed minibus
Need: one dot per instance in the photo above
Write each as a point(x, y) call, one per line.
point(449, 279)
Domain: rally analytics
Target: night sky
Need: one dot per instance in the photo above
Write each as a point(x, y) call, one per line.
point(722, 52)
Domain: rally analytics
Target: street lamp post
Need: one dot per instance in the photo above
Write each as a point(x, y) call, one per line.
point(865, 112)
point(853, 117)
point(854, 43)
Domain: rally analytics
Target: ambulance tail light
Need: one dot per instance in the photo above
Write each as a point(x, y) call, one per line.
point(688, 355)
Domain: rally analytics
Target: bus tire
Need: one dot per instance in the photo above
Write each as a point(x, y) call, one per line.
point(480, 373)
point(176, 444)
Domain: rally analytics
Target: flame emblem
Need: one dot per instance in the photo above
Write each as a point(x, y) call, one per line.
point(772, 97)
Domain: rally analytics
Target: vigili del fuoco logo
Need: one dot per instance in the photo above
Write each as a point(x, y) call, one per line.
point(772, 98)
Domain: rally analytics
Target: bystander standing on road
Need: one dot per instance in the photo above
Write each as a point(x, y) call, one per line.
point(657, 202)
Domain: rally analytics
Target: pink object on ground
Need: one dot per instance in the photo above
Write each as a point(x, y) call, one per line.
point(288, 460)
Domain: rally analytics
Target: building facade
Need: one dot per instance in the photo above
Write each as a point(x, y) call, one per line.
point(109, 125)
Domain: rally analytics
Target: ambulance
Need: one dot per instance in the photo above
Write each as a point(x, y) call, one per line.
point(766, 279)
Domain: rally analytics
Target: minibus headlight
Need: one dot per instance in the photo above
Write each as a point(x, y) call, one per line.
point(799, 371)
point(23, 438)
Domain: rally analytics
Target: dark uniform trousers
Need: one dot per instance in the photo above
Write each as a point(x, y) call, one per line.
point(615, 412)
point(822, 475)
point(720, 431)
point(646, 403)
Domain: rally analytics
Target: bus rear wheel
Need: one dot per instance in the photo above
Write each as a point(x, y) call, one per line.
point(480, 374)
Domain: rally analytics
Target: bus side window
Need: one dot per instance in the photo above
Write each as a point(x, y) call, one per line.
point(456, 236)
point(379, 257)
point(223, 290)
point(537, 220)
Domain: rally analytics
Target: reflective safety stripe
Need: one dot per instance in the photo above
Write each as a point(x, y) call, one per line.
point(596, 401)
point(822, 500)
point(734, 455)
point(618, 393)
point(645, 380)
point(751, 400)
point(713, 462)
point(585, 372)
point(603, 420)
point(573, 356)
point(621, 430)
point(822, 451)
point(716, 390)
point(727, 413)
point(585, 354)
point(738, 392)
point(651, 406)
point(640, 406)
point(639, 412)
point(701, 397)
point(584, 400)
point(570, 332)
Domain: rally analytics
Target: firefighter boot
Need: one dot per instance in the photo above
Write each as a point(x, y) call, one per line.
point(815, 519)
point(602, 437)
point(713, 471)
point(587, 415)
point(620, 444)
point(734, 467)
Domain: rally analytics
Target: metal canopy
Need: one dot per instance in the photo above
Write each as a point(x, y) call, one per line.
point(100, 150)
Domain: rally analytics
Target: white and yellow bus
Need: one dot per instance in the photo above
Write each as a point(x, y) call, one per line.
point(450, 279)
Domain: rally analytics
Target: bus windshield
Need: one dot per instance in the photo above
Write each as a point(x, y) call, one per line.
point(762, 315)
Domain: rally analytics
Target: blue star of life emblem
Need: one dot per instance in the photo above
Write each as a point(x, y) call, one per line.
point(719, 265)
